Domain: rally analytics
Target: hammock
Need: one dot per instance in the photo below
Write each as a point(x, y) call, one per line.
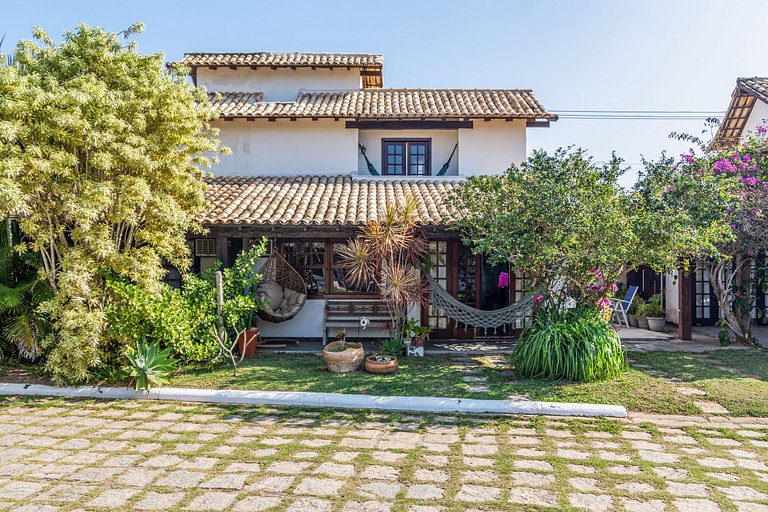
point(371, 168)
point(283, 289)
point(444, 168)
point(478, 318)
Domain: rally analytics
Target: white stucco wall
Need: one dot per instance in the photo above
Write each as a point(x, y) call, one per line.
point(757, 117)
point(282, 84)
point(490, 147)
point(443, 142)
point(285, 147)
point(671, 297)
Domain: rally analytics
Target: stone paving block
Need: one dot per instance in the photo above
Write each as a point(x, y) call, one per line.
point(335, 469)
point(479, 476)
point(288, 468)
point(435, 460)
point(743, 493)
point(181, 478)
point(658, 457)
point(527, 479)
point(345, 456)
point(226, 481)
point(745, 506)
point(668, 473)
point(479, 449)
point(159, 500)
point(367, 506)
point(539, 465)
point(35, 508)
point(379, 489)
point(530, 496)
point(695, 505)
point(387, 457)
point(636, 487)
point(271, 484)
point(584, 484)
point(213, 500)
point(580, 469)
point(318, 486)
point(113, 498)
point(162, 461)
point(478, 462)
point(18, 490)
point(375, 472)
point(94, 474)
point(424, 492)
point(65, 492)
point(256, 503)
point(477, 493)
point(310, 505)
point(138, 477)
point(591, 502)
point(716, 462)
point(631, 505)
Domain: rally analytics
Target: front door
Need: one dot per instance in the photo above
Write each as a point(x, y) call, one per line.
point(704, 303)
point(439, 267)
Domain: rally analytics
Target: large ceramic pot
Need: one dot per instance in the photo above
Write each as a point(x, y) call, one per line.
point(384, 366)
point(656, 323)
point(632, 319)
point(642, 322)
point(247, 341)
point(343, 361)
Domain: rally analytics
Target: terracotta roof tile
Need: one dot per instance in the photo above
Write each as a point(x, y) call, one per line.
point(283, 59)
point(306, 200)
point(390, 103)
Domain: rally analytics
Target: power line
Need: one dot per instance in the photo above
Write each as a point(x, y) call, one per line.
point(643, 111)
point(637, 115)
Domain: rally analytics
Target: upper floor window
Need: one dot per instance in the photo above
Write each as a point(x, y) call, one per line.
point(406, 157)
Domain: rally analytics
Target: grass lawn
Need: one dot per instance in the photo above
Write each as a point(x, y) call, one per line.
point(736, 379)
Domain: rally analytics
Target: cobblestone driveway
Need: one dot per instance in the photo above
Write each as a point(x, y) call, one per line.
point(60, 455)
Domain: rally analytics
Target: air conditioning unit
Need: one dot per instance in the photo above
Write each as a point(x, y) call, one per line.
point(205, 247)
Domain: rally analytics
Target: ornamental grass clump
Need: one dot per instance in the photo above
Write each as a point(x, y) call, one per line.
point(576, 345)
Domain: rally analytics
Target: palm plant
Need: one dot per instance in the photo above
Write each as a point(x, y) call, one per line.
point(389, 252)
point(21, 293)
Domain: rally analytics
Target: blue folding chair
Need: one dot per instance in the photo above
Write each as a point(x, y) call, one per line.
point(621, 306)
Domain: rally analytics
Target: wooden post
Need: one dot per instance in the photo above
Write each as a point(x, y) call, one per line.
point(684, 306)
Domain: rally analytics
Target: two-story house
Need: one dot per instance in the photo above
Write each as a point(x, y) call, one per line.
point(319, 148)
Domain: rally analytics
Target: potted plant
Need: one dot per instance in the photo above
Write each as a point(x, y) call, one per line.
point(632, 310)
point(385, 360)
point(421, 334)
point(341, 356)
point(642, 315)
point(655, 315)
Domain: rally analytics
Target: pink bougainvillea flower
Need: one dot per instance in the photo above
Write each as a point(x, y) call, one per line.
point(503, 280)
point(615, 288)
point(762, 129)
point(538, 298)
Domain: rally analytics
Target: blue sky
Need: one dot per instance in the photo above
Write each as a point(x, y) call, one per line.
point(575, 55)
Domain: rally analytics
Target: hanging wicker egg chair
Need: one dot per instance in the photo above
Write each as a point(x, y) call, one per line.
point(283, 289)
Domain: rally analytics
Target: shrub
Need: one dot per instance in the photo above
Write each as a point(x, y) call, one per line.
point(391, 347)
point(150, 365)
point(167, 318)
point(573, 345)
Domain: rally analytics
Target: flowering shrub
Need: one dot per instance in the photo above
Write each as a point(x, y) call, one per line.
point(731, 187)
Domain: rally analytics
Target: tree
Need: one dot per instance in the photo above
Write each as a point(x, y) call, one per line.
point(389, 253)
point(101, 150)
point(731, 185)
point(563, 216)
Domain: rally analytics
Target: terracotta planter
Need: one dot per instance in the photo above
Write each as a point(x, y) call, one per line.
point(381, 367)
point(642, 322)
point(249, 336)
point(632, 319)
point(344, 361)
point(656, 324)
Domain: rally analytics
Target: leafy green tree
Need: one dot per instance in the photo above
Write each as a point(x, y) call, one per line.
point(101, 157)
point(563, 216)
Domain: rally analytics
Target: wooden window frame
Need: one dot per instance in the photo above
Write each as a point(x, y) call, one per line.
point(327, 267)
point(406, 155)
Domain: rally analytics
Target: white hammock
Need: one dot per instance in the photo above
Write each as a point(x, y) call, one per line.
point(468, 316)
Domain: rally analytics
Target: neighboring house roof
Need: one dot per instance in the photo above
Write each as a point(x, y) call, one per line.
point(371, 64)
point(388, 104)
point(322, 200)
point(747, 91)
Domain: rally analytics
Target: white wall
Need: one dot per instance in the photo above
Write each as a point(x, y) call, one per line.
point(285, 147)
point(490, 147)
point(282, 84)
point(671, 297)
point(443, 142)
point(757, 117)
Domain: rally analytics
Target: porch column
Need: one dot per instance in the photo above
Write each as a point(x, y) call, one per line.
point(222, 250)
point(684, 307)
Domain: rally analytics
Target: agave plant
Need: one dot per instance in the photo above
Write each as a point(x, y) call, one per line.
point(389, 252)
point(21, 293)
point(150, 365)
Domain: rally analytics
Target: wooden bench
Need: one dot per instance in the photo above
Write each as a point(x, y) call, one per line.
point(345, 313)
